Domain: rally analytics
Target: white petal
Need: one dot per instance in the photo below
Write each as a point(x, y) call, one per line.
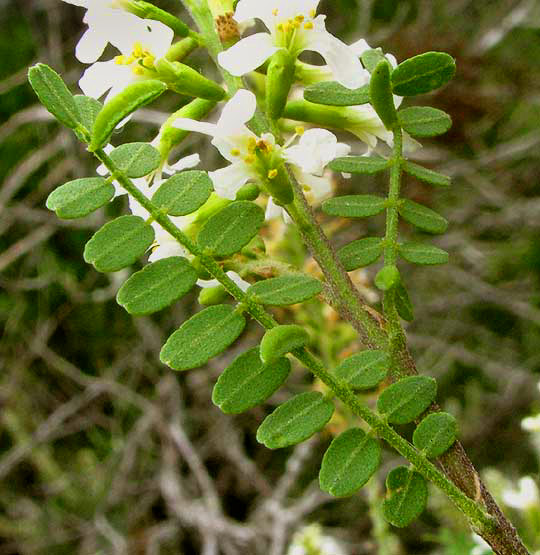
point(183, 164)
point(90, 46)
point(247, 54)
point(272, 210)
point(238, 111)
point(359, 47)
point(318, 187)
point(194, 125)
point(167, 250)
point(256, 9)
point(99, 78)
point(157, 37)
point(229, 180)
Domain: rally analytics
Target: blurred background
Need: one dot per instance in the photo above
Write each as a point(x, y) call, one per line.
point(103, 450)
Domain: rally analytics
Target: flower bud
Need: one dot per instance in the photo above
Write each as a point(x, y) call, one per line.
point(212, 295)
point(280, 77)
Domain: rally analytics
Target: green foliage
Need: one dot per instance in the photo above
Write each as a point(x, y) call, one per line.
point(281, 340)
point(157, 286)
point(332, 93)
point(296, 420)
point(371, 58)
point(387, 278)
point(248, 381)
point(350, 461)
point(407, 499)
point(136, 159)
point(121, 106)
point(183, 193)
point(407, 399)
point(423, 73)
point(422, 217)
point(88, 108)
point(419, 253)
point(80, 197)
point(119, 243)
point(285, 290)
point(364, 370)
point(202, 337)
point(279, 80)
point(422, 122)
point(380, 93)
point(361, 252)
point(435, 434)
point(367, 165)
point(54, 95)
point(403, 303)
point(231, 229)
point(426, 175)
point(354, 206)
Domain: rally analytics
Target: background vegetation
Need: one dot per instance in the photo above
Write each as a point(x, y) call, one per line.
point(105, 450)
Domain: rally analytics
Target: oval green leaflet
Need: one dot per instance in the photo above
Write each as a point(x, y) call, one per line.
point(247, 382)
point(364, 370)
point(332, 93)
point(80, 197)
point(419, 253)
point(380, 92)
point(426, 175)
point(361, 252)
point(354, 206)
point(285, 290)
point(88, 108)
point(281, 340)
point(387, 278)
point(370, 58)
point(403, 303)
point(422, 217)
point(183, 193)
point(367, 165)
point(296, 420)
point(132, 98)
point(54, 95)
point(136, 159)
point(157, 285)
point(407, 496)
point(350, 461)
point(435, 434)
point(202, 337)
point(232, 228)
point(423, 73)
point(423, 121)
point(406, 400)
point(119, 243)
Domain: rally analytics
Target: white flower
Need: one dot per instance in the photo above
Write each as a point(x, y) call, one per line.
point(141, 43)
point(481, 548)
point(242, 284)
point(525, 497)
point(531, 423)
point(293, 25)
point(310, 539)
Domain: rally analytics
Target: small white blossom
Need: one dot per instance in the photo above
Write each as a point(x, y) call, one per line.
point(310, 539)
point(293, 25)
point(531, 423)
point(525, 497)
point(242, 284)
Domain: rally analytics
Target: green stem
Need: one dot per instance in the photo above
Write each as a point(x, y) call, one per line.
point(478, 517)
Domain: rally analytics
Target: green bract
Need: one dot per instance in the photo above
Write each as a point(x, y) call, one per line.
point(281, 340)
point(54, 95)
point(279, 79)
point(367, 165)
point(332, 93)
point(202, 337)
point(361, 252)
point(423, 73)
point(435, 434)
point(422, 217)
point(136, 159)
point(157, 286)
point(428, 176)
point(407, 399)
point(80, 197)
point(183, 193)
point(380, 93)
point(424, 122)
point(350, 461)
point(364, 370)
point(133, 97)
point(296, 420)
point(354, 206)
point(285, 290)
point(407, 499)
point(231, 229)
point(387, 278)
point(119, 243)
point(418, 253)
point(248, 382)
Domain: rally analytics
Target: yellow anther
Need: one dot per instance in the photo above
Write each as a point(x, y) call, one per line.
point(312, 13)
point(295, 24)
point(300, 17)
point(137, 50)
point(306, 188)
point(138, 70)
point(299, 130)
point(280, 27)
point(264, 146)
point(308, 25)
point(249, 159)
point(120, 60)
point(252, 144)
point(148, 61)
point(272, 174)
point(235, 152)
point(275, 12)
